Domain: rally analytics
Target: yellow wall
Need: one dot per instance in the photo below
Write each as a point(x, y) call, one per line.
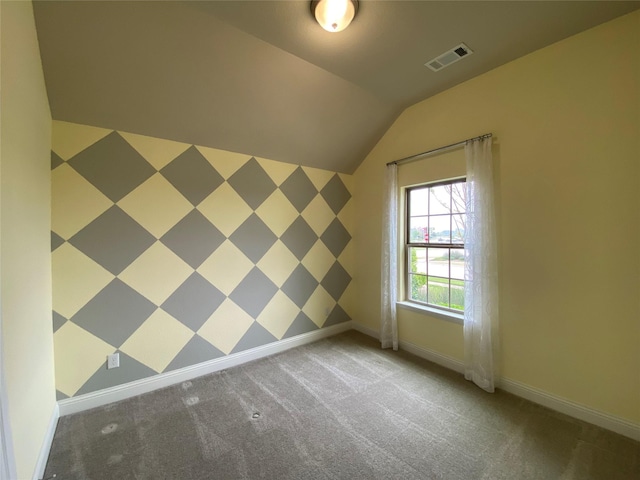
point(24, 237)
point(566, 130)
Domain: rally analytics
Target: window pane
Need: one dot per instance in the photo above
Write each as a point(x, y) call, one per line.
point(436, 215)
point(418, 260)
point(440, 200)
point(440, 229)
point(438, 262)
point(418, 229)
point(457, 294)
point(458, 196)
point(458, 224)
point(457, 264)
point(418, 199)
point(418, 288)
point(438, 291)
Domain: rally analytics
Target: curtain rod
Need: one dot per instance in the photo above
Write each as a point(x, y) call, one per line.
point(437, 150)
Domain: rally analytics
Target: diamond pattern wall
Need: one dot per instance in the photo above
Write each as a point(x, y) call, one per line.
point(174, 254)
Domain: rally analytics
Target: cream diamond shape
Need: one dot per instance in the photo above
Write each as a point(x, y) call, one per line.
point(156, 273)
point(68, 139)
point(347, 259)
point(74, 202)
point(319, 306)
point(157, 151)
point(278, 263)
point(76, 279)
point(318, 260)
point(318, 215)
point(277, 212)
point(346, 216)
point(156, 205)
point(225, 162)
point(348, 181)
point(78, 354)
point(347, 299)
point(158, 340)
point(278, 315)
point(226, 267)
point(318, 177)
point(278, 171)
point(225, 209)
point(226, 326)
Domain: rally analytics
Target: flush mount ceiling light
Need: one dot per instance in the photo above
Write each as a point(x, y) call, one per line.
point(334, 15)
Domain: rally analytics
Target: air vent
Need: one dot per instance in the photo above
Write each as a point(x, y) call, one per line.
point(449, 58)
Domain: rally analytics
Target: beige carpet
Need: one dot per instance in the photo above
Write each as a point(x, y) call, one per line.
point(340, 408)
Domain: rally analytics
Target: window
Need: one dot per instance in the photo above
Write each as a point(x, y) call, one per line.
point(434, 244)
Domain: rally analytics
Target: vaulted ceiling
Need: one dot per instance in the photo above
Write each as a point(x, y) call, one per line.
point(262, 77)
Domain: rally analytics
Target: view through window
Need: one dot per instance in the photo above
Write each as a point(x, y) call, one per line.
point(435, 244)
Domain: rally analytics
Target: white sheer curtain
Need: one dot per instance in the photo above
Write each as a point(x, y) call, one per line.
point(7, 466)
point(481, 268)
point(389, 290)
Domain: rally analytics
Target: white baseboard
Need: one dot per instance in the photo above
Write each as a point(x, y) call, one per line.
point(121, 392)
point(366, 330)
point(581, 412)
point(43, 456)
point(433, 356)
point(128, 390)
point(559, 404)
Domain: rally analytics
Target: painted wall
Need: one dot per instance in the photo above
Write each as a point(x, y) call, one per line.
point(174, 254)
point(25, 200)
point(417, 328)
point(567, 149)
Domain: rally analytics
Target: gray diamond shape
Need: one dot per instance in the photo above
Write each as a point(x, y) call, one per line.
point(336, 281)
point(298, 189)
point(197, 350)
point(302, 324)
point(193, 238)
point(58, 320)
point(252, 183)
point(336, 237)
point(192, 175)
point(114, 240)
point(60, 395)
point(299, 238)
point(130, 370)
point(299, 286)
point(253, 238)
point(335, 194)
point(114, 313)
point(337, 315)
point(113, 166)
point(56, 161)
point(194, 301)
point(254, 292)
point(56, 240)
point(256, 336)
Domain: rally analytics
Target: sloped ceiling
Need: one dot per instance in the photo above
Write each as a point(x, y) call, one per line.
point(263, 78)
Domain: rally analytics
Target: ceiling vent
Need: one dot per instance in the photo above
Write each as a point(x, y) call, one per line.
point(449, 58)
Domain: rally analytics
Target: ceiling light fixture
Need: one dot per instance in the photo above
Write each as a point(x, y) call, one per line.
point(334, 15)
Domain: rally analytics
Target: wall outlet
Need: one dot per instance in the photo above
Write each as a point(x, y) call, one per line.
point(113, 360)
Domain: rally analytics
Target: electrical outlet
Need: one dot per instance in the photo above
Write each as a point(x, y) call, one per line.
point(113, 360)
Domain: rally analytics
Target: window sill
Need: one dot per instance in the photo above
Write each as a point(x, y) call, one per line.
point(432, 312)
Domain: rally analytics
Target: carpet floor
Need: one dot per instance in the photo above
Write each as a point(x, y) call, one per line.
point(340, 408)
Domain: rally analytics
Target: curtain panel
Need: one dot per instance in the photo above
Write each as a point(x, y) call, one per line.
point(389, 267)
point(481, 268)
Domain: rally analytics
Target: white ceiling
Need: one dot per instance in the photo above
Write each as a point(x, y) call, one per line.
point(263, 78)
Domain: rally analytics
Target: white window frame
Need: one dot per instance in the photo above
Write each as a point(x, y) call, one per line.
point(407, 302)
